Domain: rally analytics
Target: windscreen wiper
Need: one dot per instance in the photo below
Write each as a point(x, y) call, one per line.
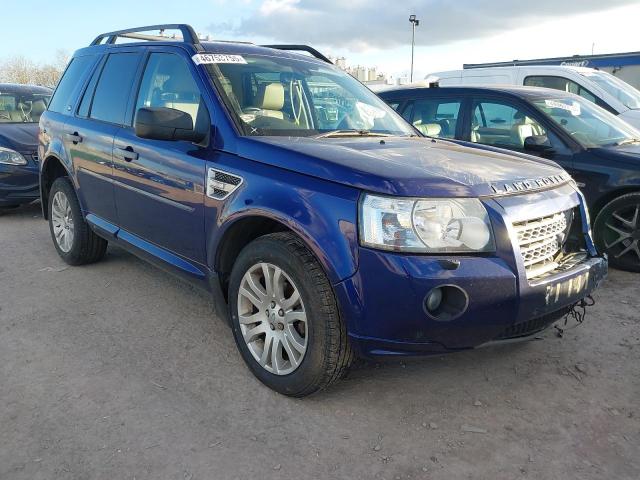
point(627, 141)
point(351, 133)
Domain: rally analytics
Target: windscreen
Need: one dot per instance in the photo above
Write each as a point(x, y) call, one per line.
point(18, 107)
point(272, 95)
point(625, 93)
point(587, 123)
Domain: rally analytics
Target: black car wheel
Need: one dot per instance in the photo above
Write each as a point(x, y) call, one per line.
point(617, 232)
point(285, 318)
point(74, 240)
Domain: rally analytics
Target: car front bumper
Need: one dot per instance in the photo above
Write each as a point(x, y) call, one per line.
point(19, 184)
point(384, 302)
point(394, 288)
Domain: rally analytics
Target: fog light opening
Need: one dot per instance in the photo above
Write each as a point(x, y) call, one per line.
point(434, 300)
point(446, 303)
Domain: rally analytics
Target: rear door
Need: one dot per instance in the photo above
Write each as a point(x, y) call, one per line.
point(160, 185)
point(89, 134)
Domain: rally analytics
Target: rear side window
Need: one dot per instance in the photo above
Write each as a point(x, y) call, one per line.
point(559, 83)
point(114, 86)
point(62, 98)
point(436, 117)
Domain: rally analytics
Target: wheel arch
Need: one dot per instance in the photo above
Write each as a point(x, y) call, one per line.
point(609, 197)
point(52, 168)
point(248, 226)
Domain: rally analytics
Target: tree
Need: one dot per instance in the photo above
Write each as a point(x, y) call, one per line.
point(19, 69)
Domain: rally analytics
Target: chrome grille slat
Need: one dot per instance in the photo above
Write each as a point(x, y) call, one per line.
point(540, 241)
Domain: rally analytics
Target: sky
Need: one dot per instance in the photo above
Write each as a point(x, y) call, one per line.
point(367, 32)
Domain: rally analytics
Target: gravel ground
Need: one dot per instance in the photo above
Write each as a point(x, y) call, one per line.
point(118, 371)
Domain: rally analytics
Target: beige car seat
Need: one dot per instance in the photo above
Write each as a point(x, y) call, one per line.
point(425, 125)
point(429, 129)
point(37, 109)
point(270, 100)
point(178, 92)
point(523, 128)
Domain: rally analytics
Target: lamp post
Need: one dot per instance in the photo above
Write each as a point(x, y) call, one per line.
point(414, 23)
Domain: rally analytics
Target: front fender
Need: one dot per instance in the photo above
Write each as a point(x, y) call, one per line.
point(323, 214)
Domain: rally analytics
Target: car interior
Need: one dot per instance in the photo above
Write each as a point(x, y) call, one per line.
point(436, 118)
point(503, 126)
point(15, 109)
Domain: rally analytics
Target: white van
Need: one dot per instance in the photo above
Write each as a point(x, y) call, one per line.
point(600, 87)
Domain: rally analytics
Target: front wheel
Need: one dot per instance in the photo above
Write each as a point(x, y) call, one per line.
point(284, 316)
point(74, 240)
point(617, 232)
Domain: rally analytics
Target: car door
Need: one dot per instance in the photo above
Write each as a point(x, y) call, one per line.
point(159, 185)
point(90, 132)
point(507, 123)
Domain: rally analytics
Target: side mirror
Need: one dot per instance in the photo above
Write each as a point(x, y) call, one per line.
point(162, 123)
point(538, 144)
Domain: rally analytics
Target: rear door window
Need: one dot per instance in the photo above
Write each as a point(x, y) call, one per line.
point(114, 87)
point(63, 97)
point(436, 117)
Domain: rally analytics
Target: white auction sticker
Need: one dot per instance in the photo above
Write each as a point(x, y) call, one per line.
point(208, 58)
point(574, 108)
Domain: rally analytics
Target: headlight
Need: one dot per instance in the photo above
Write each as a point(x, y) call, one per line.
point(425, 225)
point(11, 157)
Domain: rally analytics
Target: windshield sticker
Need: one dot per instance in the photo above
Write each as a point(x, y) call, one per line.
point(574, 108)
point(209, 58)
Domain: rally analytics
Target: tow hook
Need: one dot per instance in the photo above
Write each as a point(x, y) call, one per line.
point(577, 312)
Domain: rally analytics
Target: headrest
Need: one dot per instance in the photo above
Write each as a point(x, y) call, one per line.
point(38, 106)
point(271, 96)
point(180, 81)
point(430, 129)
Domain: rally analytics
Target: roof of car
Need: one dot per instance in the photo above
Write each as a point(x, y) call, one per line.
point(20, 88)
point(512, 90)
point(219, 46)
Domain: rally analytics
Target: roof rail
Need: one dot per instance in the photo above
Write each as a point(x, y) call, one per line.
point(301, 48)
point(188, 34)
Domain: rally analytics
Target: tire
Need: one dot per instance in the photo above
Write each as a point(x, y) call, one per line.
point(617, 232)
point(327, 354)
point(83, 246)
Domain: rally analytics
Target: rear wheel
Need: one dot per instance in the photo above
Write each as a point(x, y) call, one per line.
point(74, 240)
point(617, 232)
point(285, 318)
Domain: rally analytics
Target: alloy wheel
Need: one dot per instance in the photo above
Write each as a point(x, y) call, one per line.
point(272, 318)
point(62, 221)
point(622, 234)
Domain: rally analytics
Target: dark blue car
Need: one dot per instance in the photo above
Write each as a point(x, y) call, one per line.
point(317, 217)
point(599, 150)
point(20, 110)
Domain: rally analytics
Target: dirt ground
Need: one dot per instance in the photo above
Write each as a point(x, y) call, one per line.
point(119, 371)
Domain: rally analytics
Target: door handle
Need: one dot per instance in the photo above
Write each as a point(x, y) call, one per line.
point(74, 137)
point(127, 154)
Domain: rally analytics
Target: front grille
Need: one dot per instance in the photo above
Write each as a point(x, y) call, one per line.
point(540, 241)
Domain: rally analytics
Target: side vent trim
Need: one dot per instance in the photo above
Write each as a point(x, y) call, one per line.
point(221, 184)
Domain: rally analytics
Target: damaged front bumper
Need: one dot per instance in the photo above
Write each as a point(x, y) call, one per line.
point(385, 301)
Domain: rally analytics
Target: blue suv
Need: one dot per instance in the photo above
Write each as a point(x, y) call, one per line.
point(321, 221)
